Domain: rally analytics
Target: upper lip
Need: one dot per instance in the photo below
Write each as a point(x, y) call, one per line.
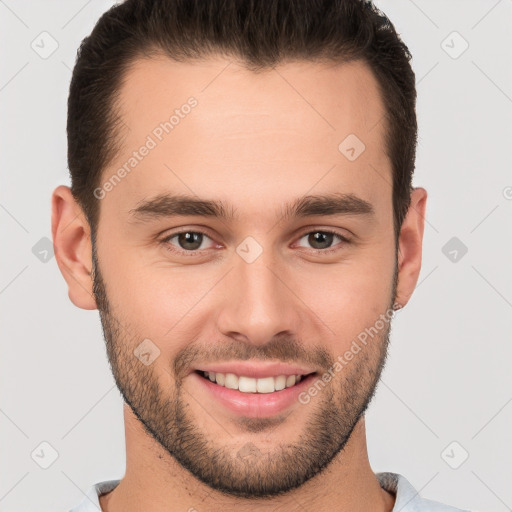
point(256, 370)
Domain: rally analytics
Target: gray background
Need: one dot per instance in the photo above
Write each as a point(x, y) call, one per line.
point(448, 378)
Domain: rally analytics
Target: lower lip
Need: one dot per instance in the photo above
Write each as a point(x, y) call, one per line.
point(255, 405)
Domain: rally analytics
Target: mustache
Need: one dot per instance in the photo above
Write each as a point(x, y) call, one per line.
point(281, 348)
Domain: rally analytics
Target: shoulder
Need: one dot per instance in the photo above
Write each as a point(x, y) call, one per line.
point(407, 499)
point(91, 502)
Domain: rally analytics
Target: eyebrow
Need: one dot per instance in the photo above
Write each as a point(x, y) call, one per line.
point(169, 205)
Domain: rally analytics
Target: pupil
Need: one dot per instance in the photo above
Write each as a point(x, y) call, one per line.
point(320, 237)
point(190, 240)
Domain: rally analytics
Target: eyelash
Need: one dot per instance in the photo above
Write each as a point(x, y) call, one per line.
point(166, 242)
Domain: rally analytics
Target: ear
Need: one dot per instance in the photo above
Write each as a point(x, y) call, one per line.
point(72, 247)
point(410, 246)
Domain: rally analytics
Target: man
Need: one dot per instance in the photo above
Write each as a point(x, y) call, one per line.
point(241, 214)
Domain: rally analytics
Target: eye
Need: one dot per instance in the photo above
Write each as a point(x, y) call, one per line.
point(321, 240)
point(191, 243)
point(186, 242)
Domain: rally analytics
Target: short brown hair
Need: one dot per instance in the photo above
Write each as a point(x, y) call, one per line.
point(260, 34)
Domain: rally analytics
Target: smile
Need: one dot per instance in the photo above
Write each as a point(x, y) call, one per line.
point(252, 385)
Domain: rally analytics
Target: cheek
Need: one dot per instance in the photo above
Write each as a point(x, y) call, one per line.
point(350, 297)
point(157, 300)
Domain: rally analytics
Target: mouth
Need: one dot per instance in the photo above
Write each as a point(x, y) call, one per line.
point(253, 388)
point(250, 385)
point(252, 397)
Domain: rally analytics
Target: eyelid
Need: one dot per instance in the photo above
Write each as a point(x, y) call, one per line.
point(332, 231)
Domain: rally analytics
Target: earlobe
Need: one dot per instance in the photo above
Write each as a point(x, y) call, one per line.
point(410, 246)
point(72, 245)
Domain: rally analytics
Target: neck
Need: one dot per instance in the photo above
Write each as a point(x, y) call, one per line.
point(155, 481)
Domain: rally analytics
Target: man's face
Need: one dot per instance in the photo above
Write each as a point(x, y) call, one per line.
point(260, 286)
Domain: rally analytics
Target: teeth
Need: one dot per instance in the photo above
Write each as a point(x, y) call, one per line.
point(231, 381)
point(280, 382)
point(265, 385)
point(250, 385)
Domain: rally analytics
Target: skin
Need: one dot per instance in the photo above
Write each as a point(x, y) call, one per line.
point(254, 141)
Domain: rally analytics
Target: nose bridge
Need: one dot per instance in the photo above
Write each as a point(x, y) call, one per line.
point(258, 304)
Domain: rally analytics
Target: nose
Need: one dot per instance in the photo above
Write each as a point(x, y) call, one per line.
point(260, 302)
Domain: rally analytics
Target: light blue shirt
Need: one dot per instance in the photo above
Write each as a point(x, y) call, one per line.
point(407, 498)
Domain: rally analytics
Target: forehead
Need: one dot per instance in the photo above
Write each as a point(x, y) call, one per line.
point(277, 131)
